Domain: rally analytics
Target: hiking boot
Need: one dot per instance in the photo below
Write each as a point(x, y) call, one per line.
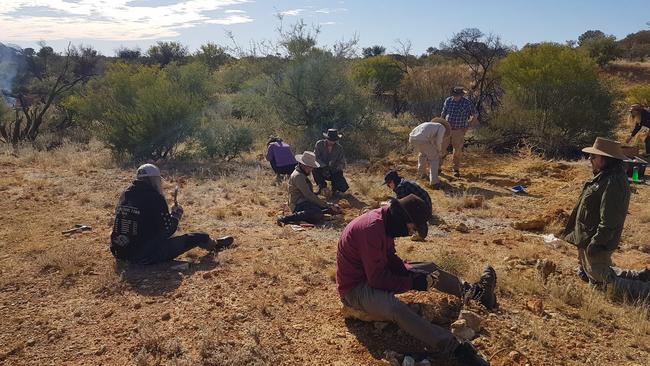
point(456, 173)
point(224, 243)
point(467, 355)
point(280, 220)
point(483, 290)
point(582, 274)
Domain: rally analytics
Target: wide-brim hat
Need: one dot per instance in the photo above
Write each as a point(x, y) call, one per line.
point(308, 158)
point(458, 90)
point(416, 212)
point(636, 107)
point(606, 147)
point(332, 134)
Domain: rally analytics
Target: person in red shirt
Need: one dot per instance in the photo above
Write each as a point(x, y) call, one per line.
point(369, 273)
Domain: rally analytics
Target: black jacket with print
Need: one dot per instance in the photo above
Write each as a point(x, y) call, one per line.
point(141, 215)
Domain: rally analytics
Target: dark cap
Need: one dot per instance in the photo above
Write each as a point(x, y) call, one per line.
point(416, 212)
point(392, 176)
point(332, 134)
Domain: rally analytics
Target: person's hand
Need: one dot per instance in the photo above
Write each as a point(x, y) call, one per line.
point(177, 212)
point(424, 281)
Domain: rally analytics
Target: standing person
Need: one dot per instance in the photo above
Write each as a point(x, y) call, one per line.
point(303, 202)
point(596, 223)
point(642, 118)
point(279, 154)
point(458, 110)
point(369, 273)
point(143, 227)
point(330, 156)
point(427, 139)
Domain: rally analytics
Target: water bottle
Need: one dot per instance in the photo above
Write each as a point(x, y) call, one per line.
point(635, 173)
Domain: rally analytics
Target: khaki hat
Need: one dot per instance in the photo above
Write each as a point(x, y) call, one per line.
point(308, 158)
point(606, 147)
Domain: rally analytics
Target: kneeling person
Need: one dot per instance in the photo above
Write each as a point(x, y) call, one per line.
point(143, 227)
point(331, 159)
point(304, 203)
point(369, 273)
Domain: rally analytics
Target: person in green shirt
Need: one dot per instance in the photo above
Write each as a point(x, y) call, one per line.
point(596, 223)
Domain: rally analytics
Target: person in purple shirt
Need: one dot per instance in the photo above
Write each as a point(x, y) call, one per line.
point(279, 154)
point(369, 274)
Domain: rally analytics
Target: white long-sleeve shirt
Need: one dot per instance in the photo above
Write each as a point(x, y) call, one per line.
point(432, 132)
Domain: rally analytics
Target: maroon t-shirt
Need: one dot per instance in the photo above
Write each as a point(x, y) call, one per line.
point(366, 254)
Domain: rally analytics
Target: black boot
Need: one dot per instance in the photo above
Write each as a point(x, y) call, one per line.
point(224, 243)
point(582, 274)
point(467, 355)
point(484, 290)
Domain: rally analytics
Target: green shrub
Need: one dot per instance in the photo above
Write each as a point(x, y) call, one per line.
point(554, 96)
point(639, 94)
point(224, 139)
point(146, 111)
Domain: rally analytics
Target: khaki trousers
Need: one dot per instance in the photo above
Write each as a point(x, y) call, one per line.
point(384, 304)
point(456, 140)
point(627, 283)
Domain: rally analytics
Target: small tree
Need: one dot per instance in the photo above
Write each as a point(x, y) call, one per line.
point(212, 55)
point(480, 53)
point(384, 75)
point(164, 53)
point(589, 35)
point(44, 82)
point(128, 54)
point(639, 94)
point(600, 47)
point(375, 50)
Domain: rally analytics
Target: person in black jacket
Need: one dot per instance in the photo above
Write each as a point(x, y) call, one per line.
point(642, 118)
point(144, 226)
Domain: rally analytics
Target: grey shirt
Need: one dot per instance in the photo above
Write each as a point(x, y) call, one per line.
point(335, 159)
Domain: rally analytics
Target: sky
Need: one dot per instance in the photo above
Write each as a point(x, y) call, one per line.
point(110, 24)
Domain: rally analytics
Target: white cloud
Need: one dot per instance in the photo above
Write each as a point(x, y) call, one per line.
point(231, 19)
point(292, 12)
point(331, 10)
point(108, 19)
point(327, 23)
point(234, 11)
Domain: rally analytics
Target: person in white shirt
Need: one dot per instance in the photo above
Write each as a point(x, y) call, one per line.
point(427, 139)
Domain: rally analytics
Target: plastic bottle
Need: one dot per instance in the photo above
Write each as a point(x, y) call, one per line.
point(635, 174)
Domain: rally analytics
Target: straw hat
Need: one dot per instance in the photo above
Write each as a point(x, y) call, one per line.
point(606, 147)
point(308, 158)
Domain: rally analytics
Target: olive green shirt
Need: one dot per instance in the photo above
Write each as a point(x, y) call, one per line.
point(598, 217)
point(335, 159)
point(301, 189)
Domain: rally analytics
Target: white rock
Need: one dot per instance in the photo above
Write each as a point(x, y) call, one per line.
point(460, 329)
point(408, 361)
point(473, 320)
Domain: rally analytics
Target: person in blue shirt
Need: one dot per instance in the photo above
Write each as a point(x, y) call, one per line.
point(457, 110)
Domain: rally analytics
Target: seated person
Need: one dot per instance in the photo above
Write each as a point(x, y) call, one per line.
point(369, 274)
point(641, 118)
point(143, 227)
point(304, 203)
point(279, 154)
point(329, 155)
